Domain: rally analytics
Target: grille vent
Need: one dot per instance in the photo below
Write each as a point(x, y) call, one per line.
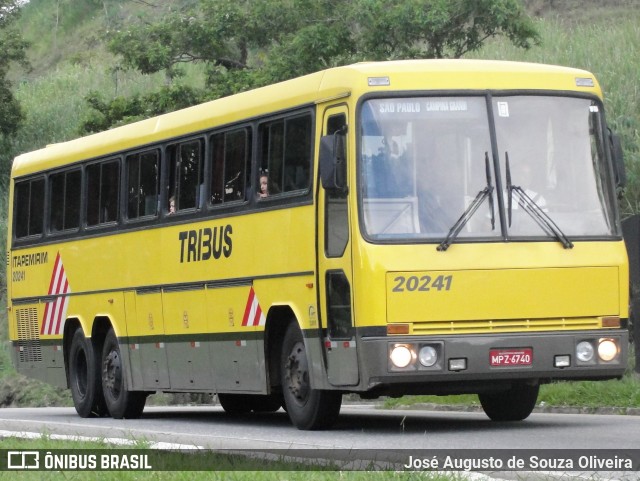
point(28, 335)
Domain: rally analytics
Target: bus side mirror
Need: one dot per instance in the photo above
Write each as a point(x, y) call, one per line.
point(333, 162)
point(618, 160)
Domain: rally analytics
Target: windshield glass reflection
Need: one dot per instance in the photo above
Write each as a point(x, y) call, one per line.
point(424, 161)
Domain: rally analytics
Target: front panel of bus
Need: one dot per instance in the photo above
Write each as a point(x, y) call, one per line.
point(489, 245)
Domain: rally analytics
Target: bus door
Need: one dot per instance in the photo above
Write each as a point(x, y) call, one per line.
point(334, 270)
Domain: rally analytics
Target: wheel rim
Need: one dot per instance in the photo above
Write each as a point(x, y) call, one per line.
point(112, 375)
point(297, 373)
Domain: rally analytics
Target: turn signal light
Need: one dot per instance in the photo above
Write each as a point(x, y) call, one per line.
point(612, 322)
point(397, 329)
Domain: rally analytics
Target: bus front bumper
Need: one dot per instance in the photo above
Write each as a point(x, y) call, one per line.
point(470, 363)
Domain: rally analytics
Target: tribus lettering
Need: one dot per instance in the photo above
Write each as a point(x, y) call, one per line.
point(204, 244)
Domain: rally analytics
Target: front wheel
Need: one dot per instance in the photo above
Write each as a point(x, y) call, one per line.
point(120, 402)
point(513, 405)
point(308, 408)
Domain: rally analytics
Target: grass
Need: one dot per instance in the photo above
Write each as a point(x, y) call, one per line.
point(618, 394)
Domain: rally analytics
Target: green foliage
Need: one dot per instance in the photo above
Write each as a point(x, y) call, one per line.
point(12, 50)
point(603, 40)
point(618, 394)
point(245, 44)
point(621, 394)
point(16, 390)
point(438, 28)
point(10, 112)
point(123, 110)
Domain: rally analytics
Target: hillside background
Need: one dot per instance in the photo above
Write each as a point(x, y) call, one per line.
point(69, 60)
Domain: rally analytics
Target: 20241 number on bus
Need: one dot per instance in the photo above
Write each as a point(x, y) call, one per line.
point(424, 283)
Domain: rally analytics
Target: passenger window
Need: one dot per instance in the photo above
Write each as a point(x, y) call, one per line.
point(230, 156)
point(29, 208)
point(103, 182)
point(65, 201)
point(186, 176)
point(286, 154)
point(142, 184)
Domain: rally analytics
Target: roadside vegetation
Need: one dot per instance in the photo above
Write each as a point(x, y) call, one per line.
point(600, 36)
point(617, 396)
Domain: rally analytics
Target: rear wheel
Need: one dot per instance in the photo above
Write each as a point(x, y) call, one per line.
point(84, 377)
point(308, 408)
point(515, 404)
point(120, 402)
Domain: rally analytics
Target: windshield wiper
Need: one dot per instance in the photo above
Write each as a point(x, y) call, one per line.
point(473, 207)
point(534, 210)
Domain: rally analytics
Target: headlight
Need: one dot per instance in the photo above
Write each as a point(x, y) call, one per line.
point(607, 350)
point(401, 356)
point(584, 351)
point(428, 356)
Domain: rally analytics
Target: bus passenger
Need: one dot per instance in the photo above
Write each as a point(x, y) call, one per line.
point(267, 186)
point(264, 186)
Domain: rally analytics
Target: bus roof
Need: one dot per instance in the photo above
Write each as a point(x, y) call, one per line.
point(409, 75)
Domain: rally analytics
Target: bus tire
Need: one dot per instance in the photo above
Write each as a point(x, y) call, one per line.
point(308, 408)
point(84, 377)
point(515, 404)
point(121, 403)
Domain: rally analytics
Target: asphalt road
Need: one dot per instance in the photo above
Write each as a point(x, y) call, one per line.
point(360, 427)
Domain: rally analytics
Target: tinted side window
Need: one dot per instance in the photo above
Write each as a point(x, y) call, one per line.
point(65, 201)
point(231, 152)
point(103, 182)
point(186, 175)
point(142, 184)
point(286, 153)
point(29, 208)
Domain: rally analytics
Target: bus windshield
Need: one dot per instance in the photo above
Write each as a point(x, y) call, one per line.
point(427, 166)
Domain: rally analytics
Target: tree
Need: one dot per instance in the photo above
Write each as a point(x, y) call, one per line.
point(12, 50)
point(246, 44)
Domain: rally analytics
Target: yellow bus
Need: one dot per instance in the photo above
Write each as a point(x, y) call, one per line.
point(409, 227)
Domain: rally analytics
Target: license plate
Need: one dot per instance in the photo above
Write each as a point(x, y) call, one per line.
point(511, 357)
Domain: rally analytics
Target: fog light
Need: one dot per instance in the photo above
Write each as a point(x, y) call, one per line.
point(457, 364)
point(562, 361)
point(428, 356)
point(584, 351)
point(607, 350)
point(401, 355)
